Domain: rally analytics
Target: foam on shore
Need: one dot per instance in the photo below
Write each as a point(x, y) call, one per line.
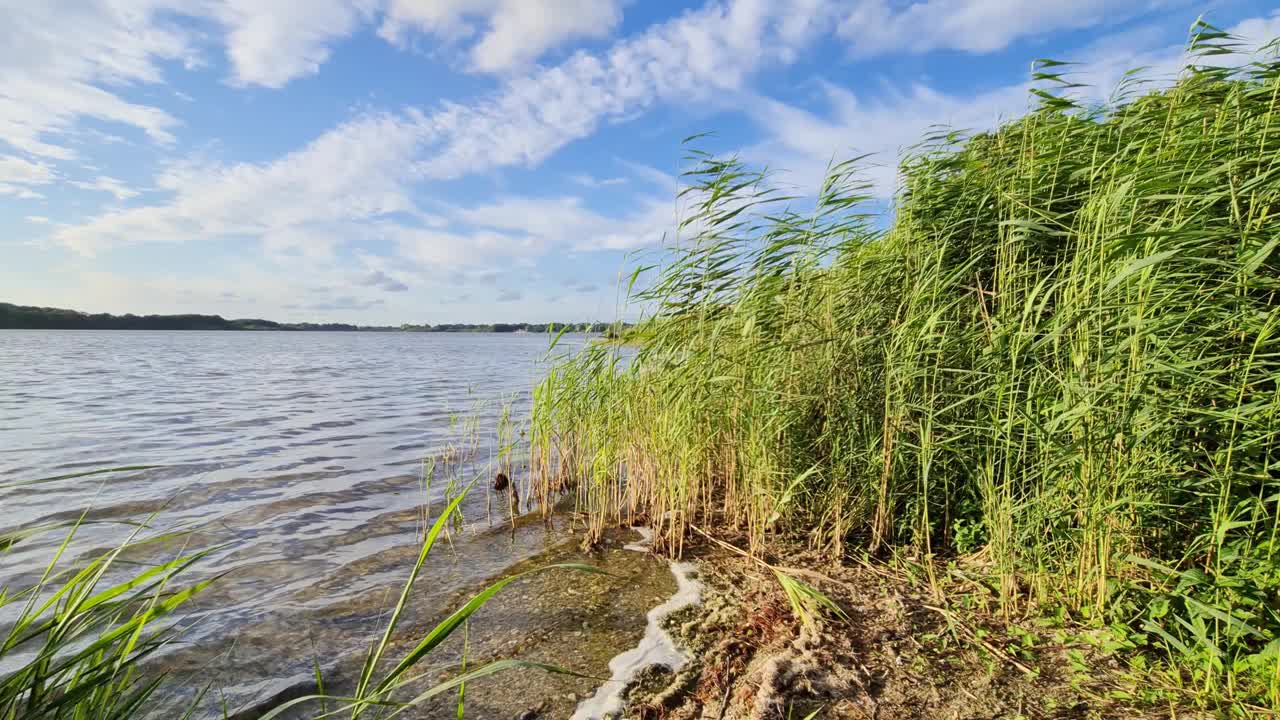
point(655, 648)
point(646, 541)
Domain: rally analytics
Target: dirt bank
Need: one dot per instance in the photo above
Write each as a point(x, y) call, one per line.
point(898, 652)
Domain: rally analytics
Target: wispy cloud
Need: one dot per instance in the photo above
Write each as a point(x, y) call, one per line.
point(509, 33)
point(566, 220)
point(72, 60)
point(107, 184)
point(879, 27)
point(804, 141)
point(349, 174)
point(357, 172)
point(66, 61)
point(591, 181)
point(368, 206)
point(18, 176)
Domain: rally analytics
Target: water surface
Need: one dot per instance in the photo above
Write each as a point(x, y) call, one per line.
point(302, 453)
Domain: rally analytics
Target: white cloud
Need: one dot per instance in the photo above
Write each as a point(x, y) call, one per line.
point(515, 31)
point(349, 174)
point(17, 176)
point(522, 30)
point(271, 43)
point(567, 222)
point(18, 171)
point(1107, 64)
point(667, 182)
point(37, 219)
point(57, 57)
point(357, 172)
point(435, 249)
point(591, 181)
point(804, 142)
point(699, 56)
point(517, 229)
point(1256, 32)
point(875, 27)
point(19, 192)
point(107, 184)
point(63, 60)
point(705, 56)
point(357, 181)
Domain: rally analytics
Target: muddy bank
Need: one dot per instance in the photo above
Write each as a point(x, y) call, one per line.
point(576, 621)
point(897, 652)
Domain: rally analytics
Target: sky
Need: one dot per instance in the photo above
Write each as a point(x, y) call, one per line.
point(428, 161)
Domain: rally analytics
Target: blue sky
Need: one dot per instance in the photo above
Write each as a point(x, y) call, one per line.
point(388, 161)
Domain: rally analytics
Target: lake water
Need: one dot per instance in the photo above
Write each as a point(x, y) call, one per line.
point(302, 454)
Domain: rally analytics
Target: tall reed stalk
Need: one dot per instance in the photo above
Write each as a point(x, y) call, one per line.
point(1058, 359)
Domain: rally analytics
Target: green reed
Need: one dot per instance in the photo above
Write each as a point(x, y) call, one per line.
point(1058, 360)
point(75, 637)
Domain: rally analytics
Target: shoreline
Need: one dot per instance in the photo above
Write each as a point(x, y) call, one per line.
point(560, 617)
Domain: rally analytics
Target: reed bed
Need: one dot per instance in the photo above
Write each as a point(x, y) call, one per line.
point(1056, 361)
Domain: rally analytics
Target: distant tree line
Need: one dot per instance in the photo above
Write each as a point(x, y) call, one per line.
point(554, 327)
point(42, 318)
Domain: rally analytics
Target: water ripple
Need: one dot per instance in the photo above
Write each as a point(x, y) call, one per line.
point(298, 454)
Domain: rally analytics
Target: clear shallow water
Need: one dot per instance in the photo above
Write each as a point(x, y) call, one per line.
point(301, 453)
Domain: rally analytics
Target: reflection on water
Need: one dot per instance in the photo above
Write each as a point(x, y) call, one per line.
point(301, 453)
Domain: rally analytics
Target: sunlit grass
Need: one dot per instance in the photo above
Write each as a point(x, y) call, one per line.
point(1058, 360)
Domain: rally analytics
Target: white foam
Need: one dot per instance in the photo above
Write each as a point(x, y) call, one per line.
point(646, 540)
point(655, 648)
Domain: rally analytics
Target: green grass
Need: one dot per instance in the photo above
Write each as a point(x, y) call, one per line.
point(1058, 360)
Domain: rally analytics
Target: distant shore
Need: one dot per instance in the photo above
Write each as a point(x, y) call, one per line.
point(25, 317)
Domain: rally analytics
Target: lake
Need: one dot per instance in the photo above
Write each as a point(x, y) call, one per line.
point(302, 455)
